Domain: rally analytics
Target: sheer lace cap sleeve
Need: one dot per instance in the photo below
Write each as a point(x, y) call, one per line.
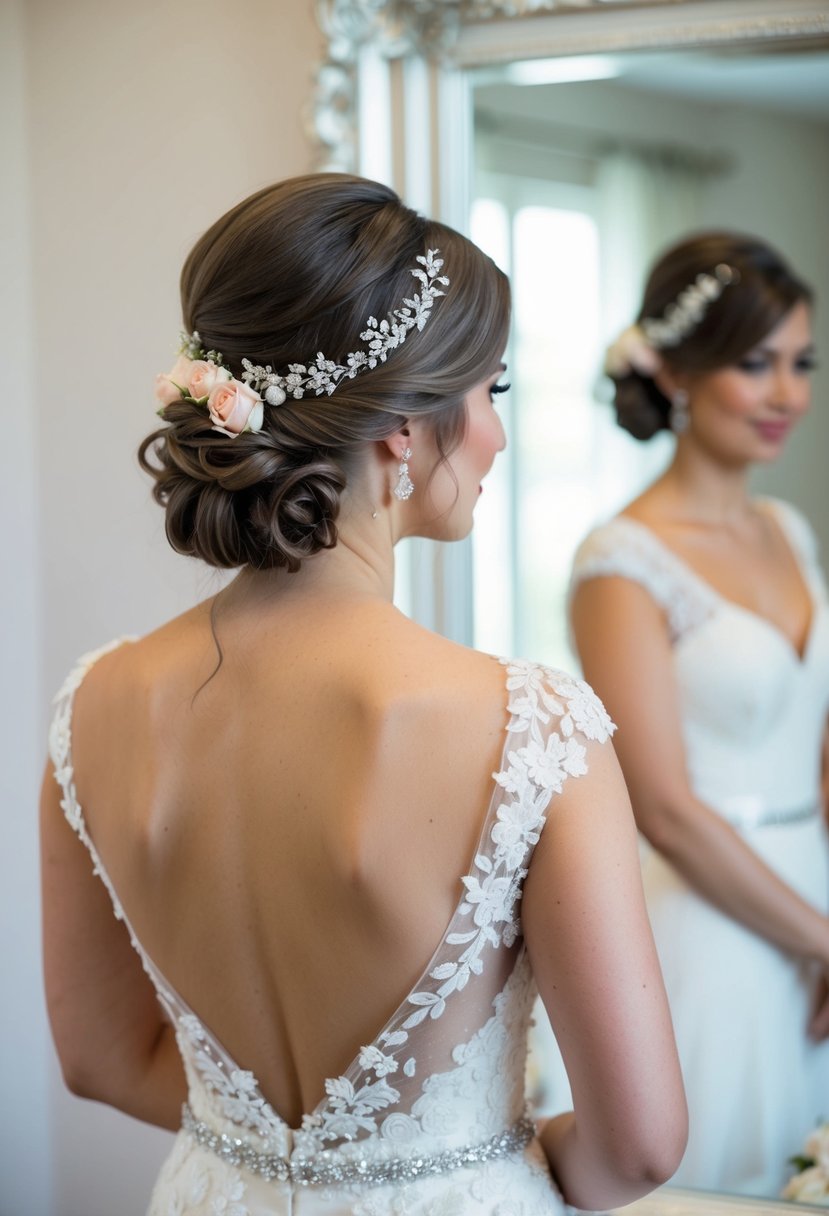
point(627, 549)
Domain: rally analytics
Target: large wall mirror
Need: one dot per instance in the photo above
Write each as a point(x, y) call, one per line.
point(574, 140)
point(584, 168)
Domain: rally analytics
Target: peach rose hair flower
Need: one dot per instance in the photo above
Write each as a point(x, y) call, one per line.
point(175, 384)
point(631, 352)
point(235, 408)
point(198, 376)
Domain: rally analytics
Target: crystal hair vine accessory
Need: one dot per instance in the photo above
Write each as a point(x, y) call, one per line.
point(235, 406)
point(684, 315)
point(323, 375)
point(637, 348)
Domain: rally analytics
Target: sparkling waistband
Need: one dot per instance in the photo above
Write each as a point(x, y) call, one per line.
point(752, 813)
point(330, 1167)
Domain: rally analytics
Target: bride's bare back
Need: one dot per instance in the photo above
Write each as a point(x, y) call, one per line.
point(271, 831)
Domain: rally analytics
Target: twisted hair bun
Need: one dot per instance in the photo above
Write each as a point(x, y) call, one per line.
point(256, 500)
point(298, 268)
point(642, 409)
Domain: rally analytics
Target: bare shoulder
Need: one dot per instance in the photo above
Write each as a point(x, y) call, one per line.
point(451, 680)
point(126, 676)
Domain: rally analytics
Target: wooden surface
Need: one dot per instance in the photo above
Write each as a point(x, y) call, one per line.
point(671, 1201)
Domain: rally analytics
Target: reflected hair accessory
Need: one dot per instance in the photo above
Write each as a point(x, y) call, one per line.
point(685, 313)
point(637, 348)
point(235, 406)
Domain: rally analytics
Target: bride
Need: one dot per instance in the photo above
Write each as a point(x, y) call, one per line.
point(700, 614)
point(342, 851)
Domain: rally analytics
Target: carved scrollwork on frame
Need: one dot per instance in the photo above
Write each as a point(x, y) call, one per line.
point(397, 27)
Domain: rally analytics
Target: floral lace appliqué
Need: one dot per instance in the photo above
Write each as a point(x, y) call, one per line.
point(532, 773)
point(235, 1090)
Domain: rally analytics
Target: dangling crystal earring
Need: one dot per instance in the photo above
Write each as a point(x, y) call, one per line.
point(679, 416)
point(405, 485)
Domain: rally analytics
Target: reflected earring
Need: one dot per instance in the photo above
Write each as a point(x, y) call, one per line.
point(679, 416)
point(405, 485)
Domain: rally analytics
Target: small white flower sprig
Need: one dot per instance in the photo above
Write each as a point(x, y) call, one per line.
point(236, 406)
point(323, 375)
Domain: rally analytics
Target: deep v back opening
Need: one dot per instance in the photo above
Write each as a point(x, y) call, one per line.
point(177, 1005)
point(171, 996)
point(799, 651)
point(449, 1035)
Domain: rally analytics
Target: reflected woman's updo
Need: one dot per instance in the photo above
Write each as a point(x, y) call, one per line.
point(295, 269)
point(754, 297)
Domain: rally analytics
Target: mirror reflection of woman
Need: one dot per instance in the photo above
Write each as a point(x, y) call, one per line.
point(323, 822)
point(700, 616)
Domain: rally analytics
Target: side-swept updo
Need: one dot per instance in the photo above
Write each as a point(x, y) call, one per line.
point(763, 291)
point(298, 268)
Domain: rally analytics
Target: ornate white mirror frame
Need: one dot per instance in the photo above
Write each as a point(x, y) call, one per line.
point(394, 102)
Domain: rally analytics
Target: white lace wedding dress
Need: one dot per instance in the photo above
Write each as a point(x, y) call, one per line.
point(753, 715)
point(429, 1117)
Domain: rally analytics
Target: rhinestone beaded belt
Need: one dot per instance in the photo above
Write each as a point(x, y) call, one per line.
point(756, 816)
point(330, 1168)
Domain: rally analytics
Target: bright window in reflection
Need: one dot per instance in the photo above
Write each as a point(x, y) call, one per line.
point(539, 502)
point(567, 464)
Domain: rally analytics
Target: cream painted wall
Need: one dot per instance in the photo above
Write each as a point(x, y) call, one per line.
point(127, 128)
point(25, 1132)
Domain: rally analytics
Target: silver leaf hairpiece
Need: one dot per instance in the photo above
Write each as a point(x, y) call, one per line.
point(690, 306)
point(323, 375)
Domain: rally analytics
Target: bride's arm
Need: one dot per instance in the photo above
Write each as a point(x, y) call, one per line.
point(595, 963)
point(113, 1042)
point(626, 655)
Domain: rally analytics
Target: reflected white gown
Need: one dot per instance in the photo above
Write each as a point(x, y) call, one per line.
point(429, 1117)
point(753, 716)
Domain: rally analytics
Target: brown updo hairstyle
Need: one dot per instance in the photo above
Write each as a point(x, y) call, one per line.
point(745, 312)
point(298, 268)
